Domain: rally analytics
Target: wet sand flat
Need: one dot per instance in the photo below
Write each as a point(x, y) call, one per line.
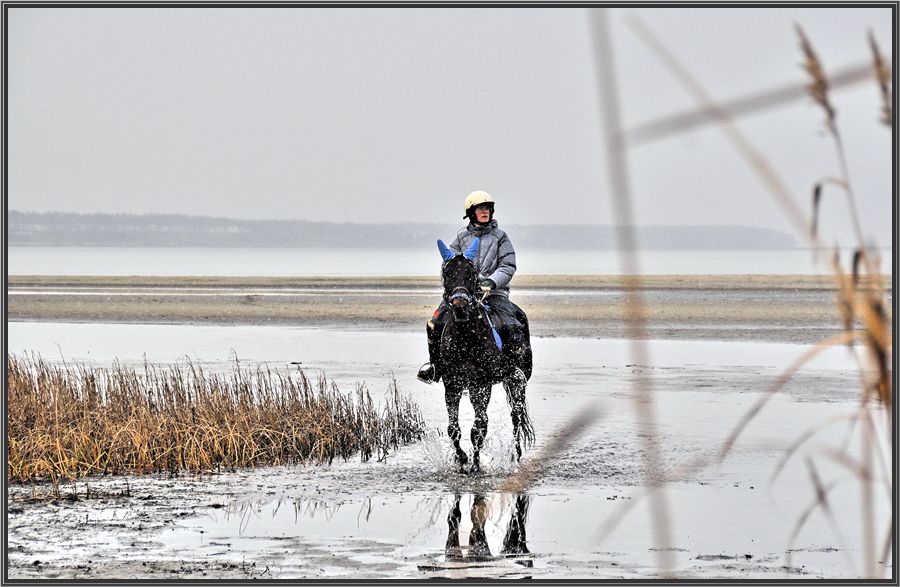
point(784, 308)
point(392, 519)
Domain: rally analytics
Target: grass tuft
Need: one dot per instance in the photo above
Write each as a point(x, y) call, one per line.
point(66, 422)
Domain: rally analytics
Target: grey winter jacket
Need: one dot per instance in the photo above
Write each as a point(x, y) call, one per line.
point(496, 258)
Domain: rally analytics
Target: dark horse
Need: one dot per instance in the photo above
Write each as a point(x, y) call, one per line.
point(474, 357)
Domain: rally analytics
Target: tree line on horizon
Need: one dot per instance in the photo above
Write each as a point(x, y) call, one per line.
point(178, 230)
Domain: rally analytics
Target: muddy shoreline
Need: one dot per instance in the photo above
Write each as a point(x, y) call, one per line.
point(391, 519)
point(694, 307)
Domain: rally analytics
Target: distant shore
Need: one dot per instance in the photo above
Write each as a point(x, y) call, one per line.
point(698, 281)
point(778, 308)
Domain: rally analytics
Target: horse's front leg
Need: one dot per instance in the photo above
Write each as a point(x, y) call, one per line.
point(478, 543)
point(453, 550)
point(452, 395)
point(481, 397)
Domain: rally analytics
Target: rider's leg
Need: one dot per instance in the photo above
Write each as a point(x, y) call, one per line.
point(521, 317)
point(506, 320)
point(523, 352)
point(431, 371)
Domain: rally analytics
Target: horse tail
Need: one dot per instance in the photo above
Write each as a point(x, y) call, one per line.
point(525, 428)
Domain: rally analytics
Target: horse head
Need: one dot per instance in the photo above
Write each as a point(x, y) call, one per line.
point(459, 276)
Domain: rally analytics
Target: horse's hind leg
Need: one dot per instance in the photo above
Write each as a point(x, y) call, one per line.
point(523, 432)
point(452, 395)
point(515, 541)
point(480, 397)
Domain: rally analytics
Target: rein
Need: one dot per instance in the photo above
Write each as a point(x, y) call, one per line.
point(487, 315)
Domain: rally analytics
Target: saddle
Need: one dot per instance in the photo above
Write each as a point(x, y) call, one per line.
point(512, 326)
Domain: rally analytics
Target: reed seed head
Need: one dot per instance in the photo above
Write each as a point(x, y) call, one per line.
point(883, 77)
point(818, 87)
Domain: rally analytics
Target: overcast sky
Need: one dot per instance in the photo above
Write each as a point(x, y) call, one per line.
point(381, 115)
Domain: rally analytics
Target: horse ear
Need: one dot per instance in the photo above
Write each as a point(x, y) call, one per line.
point(472, 250)
point(446, 253)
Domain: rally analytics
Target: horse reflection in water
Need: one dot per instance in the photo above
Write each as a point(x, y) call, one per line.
point(514, 541)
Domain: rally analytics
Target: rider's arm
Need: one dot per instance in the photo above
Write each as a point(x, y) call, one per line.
point(506, 263)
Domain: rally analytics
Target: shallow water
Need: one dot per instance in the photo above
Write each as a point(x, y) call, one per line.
point(393, 519)
point(375, 261)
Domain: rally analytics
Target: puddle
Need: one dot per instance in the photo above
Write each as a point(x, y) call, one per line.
point(433, 533)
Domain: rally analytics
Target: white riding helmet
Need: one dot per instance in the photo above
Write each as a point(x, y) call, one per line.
point(475, 199)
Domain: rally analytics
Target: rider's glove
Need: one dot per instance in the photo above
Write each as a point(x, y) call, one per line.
point(487, 284)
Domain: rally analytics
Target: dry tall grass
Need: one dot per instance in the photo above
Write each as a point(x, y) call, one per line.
point(68, 421)
point(861, 307)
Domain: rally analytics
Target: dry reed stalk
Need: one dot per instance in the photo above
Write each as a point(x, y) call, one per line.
point(635, 316)
point(818, 91)
point(776, 386)
point(754, 157)
point(802, 439)
point(534, 467)
point(860, 297)
point(673, 124)
point(633, 302)
point(67, 422)
point(883, 77)
point(820, 501)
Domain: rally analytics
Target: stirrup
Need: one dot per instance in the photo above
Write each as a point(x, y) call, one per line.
point(428, 374)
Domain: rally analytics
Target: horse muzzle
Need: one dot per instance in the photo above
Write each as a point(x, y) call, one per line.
point(460, 302)
point(460, 310)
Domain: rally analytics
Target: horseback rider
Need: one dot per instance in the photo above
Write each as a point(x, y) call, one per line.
point(496, 264)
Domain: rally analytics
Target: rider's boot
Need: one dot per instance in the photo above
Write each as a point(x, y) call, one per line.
point(428, 373)
point(431, 372)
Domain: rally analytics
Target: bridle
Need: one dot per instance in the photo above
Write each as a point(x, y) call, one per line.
point(460, 292)
point(463, 292)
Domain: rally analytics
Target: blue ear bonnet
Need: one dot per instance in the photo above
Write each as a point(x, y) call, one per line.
point(472, 250)
point(447, 253)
